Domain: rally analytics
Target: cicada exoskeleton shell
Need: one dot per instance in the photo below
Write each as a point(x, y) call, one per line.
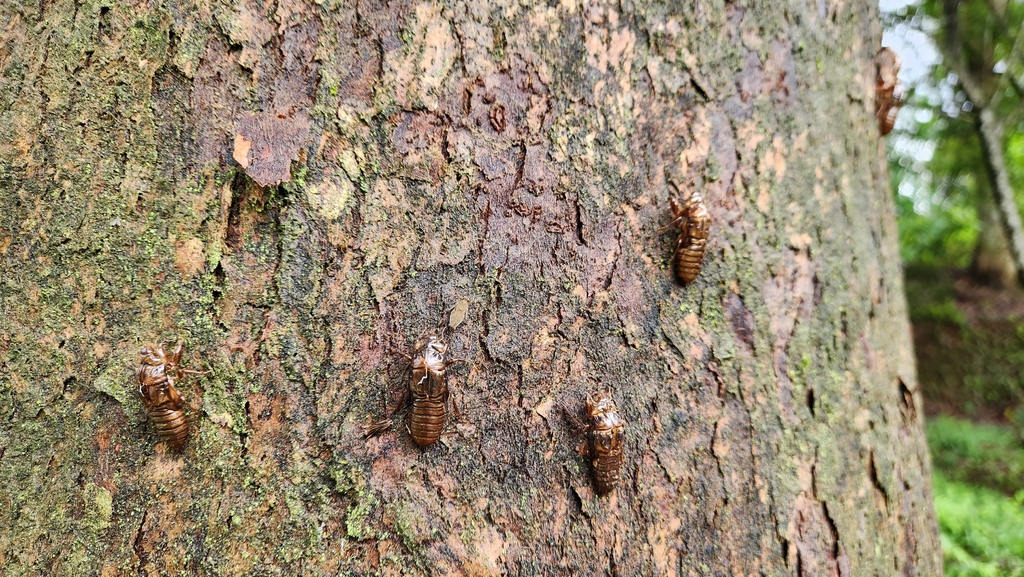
point(606, 439)
point(887, 95)
point(694, 228)
point(157, 373)
point(428, 388)
point(428, 385)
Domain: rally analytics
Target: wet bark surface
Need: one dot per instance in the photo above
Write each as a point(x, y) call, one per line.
point(518, 158)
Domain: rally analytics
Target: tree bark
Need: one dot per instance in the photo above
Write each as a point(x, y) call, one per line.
point(518, 158)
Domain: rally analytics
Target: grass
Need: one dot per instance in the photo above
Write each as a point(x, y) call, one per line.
point(982, 531)
point(979, 454)
point(977, 469)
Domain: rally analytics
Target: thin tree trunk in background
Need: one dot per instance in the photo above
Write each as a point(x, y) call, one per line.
point(982, 90)
point(992, 261)
point(518, 158)
point(991, 136)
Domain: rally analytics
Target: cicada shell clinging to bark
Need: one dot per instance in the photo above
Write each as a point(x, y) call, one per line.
point(888, 97)
point(156, 375)
point(606, 432)
point(694, 227)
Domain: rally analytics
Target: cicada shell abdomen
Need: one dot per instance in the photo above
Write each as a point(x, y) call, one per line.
point(887, 123)
point(156, 376)
point(171, 425)
point(887, 97)
point(427, 419)
point(694, 227)
point(606, 440)
point(429, 392)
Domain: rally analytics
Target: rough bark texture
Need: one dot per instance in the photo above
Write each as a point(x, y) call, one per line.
point(518, 158)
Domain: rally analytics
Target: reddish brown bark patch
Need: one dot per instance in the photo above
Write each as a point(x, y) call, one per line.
point(266, 144)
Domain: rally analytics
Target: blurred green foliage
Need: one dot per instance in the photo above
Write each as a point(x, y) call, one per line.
point(940, 238)
point(938, 187)
point(969, 339)
point(935, 155)
point(981, 454)
point(982, 531)
point(979, 492)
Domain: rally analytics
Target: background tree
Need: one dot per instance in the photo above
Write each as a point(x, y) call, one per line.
point(968, 111)
point(518, 158)
point(954, 224)
point(966, 307)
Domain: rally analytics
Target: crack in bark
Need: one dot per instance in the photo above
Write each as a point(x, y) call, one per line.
point(137, 544)
point(457, 30)
point(498, 273)
point(615, 258)
point(672, 344)
point(834, 534)
point(908, 410)
point(481, 267)
point(579, 222)
point(232, 235)
point(484, 333)
point(519, 388)
point(699, 88)
point(517, 181)
point(875, 481)
point(243, 438)
point(783, 542)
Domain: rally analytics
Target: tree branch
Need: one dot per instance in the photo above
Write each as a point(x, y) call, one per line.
point(953, 56)
point(1016, 86)
point(1014, 56)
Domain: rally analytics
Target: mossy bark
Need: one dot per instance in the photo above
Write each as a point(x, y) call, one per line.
point(519, 158)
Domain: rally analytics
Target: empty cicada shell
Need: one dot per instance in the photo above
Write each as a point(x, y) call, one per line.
point(888, 97)
point(428, 388)
point(694, 227)
point(156, 375)
point(606, 432)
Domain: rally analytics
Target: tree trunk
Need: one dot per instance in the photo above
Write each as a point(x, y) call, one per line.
point(991, 136)
point(992, 263)
point(975, 75)
point(516, 158)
